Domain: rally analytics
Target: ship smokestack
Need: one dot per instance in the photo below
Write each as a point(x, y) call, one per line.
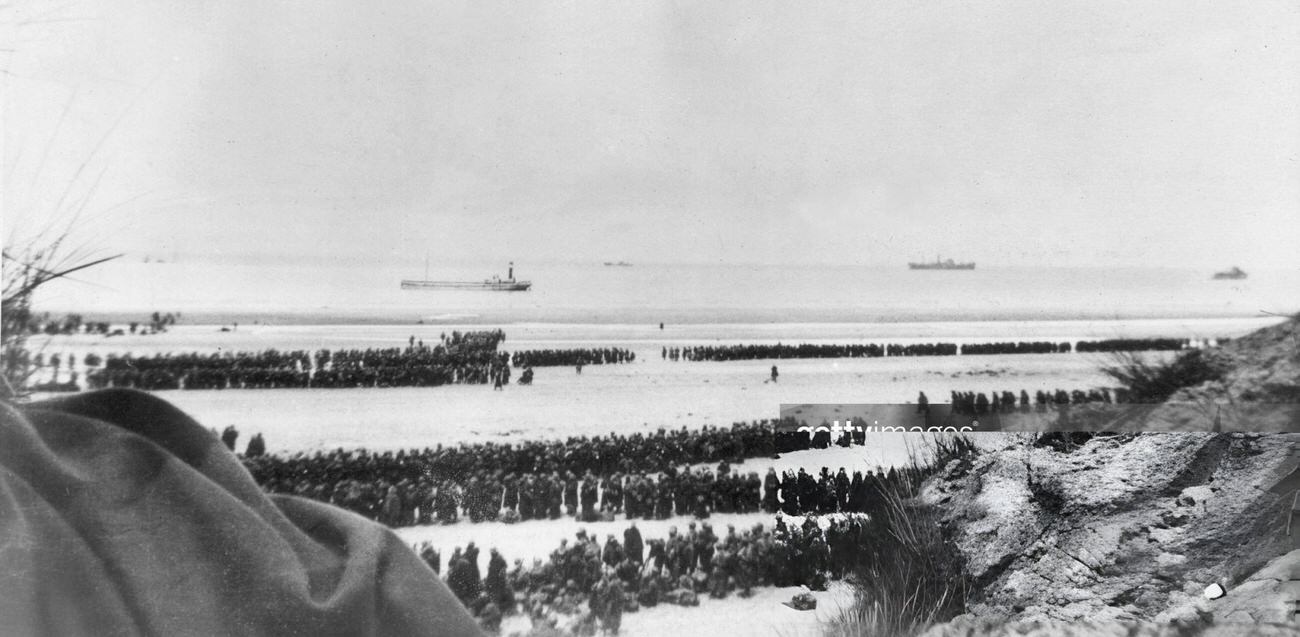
point(510, 273)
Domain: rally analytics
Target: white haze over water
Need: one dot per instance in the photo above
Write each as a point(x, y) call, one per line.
point(352, 292)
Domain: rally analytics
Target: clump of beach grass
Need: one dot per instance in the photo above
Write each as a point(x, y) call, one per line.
point(912, 576)
point(1153, 381)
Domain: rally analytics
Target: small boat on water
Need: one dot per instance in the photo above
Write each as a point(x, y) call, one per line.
point(1231, 275)
point(621, 264)
point(945, 264)
point(494, 284)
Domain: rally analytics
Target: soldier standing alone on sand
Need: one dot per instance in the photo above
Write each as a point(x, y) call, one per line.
point(774, 373)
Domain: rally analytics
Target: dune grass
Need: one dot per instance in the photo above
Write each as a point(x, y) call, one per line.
point(914, 576)
point(1154, 381)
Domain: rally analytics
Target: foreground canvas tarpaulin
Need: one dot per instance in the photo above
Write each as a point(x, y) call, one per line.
point(120, 515)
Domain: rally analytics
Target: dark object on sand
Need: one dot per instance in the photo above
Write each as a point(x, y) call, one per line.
point(802, 601)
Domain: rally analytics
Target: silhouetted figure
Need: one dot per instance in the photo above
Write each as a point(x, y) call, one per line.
point(256, 446)
point(774, 373)
point(229, 436)
point(633, 546)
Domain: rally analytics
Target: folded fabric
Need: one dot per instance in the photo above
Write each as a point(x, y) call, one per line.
point(120, 515)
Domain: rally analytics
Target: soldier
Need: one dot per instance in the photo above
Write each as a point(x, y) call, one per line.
point(664, 498)
point(589, 497)
point(431, 557)
point(704, 547)
point(229, 436)
point(789, 495)
point(612, 490)
point(471, 556)
point(842, 486)
point(632, 544)
point(770, 485)
point(526, 498)
point(256, 446)
point(553, 494)
point(510, 499)
point(613, 553)
point(390, 513)
point(495, 584)
point(460, 579)
point(718, 578)
point(657, 557)
point(570, 494)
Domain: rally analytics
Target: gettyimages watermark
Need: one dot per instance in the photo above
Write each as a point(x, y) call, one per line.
point(1008, 414)
point(836, 428)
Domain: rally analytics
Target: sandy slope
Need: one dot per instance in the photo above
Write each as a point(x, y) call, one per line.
point(1133, 528)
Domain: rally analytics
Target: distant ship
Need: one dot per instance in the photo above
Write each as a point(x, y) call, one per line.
point(946, 264)
point(1234, 273)
point(621, 264)
point(494, 284)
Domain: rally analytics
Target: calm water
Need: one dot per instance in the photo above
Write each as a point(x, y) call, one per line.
point(673, 294)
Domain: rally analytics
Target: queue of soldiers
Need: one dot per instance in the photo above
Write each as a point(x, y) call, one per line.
point(673, 492)
point(514, 498)
point(873, 350)
point(601, 455)
point(462, 358)
point(75, 324)
point(1135, 344)
point(804, 350)
point(473, 358)
point(1034, 347)
point(584, 584)
point(979, 403)
point(571, 357)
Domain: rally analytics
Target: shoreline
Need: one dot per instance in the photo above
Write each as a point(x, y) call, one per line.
point(644, 316)
point(576, 334)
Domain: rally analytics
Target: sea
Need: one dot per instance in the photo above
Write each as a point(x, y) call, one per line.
point(350, 292)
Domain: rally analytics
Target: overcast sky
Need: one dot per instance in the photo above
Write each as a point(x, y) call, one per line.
point(1018, 133)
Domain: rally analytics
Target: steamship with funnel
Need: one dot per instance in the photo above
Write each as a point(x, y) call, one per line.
point(1235, 274)
point(945, 264)
point(494, 284)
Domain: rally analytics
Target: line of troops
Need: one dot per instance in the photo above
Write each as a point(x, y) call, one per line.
point(685, 492)
point(462, 358)
point(877, 350)
point(600, 455)
point(571, 357)
point(978, 403)
point(589, 584)
point(513, 498)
